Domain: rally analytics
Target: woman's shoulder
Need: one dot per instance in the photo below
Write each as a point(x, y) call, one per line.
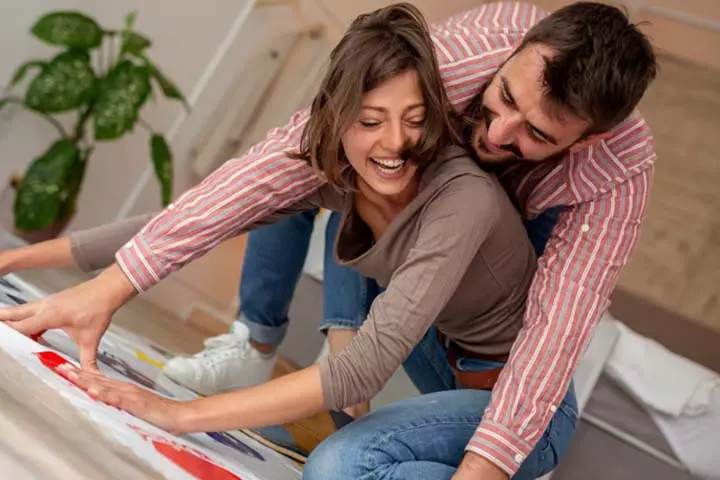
point(459, 187)
point(453, 163)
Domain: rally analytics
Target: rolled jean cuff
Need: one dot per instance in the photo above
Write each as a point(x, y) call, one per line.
point(265, 334)
point(340, 324)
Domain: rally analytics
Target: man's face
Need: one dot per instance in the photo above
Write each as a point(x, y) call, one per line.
point(516, 122)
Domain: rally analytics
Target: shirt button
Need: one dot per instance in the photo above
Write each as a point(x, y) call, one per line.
point(585, 227)
point(519, 458)
point(553, 408)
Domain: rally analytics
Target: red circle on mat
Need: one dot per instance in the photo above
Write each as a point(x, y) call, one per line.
point(52, 361)
point(193, 464)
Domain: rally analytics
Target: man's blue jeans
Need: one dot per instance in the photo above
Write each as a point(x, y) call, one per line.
point(274, 259)
point(422, 437)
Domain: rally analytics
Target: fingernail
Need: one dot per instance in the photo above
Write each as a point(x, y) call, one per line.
point(93, 392)
point(73, 375)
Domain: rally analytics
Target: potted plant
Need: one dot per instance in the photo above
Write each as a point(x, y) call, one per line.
point(105, 78)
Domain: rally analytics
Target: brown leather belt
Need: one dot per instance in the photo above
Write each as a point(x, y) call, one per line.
point(483, 380)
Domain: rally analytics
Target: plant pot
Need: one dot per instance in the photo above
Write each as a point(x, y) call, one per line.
point(43, 234)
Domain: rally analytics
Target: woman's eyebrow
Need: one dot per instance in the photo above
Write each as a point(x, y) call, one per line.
point(384, 110)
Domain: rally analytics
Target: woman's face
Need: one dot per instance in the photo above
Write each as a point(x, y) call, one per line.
point(392, 117)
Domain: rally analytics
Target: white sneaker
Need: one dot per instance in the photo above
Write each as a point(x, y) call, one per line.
point(227, 363)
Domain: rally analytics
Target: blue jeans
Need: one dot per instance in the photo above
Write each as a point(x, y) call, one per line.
point(424, 436)
point(274, 259)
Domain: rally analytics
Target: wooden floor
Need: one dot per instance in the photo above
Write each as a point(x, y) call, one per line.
point(677, 263)
point(44, 437)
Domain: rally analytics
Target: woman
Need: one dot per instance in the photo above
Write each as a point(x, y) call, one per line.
point(437, 233)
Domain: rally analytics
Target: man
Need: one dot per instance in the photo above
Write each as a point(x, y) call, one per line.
point(556, 101)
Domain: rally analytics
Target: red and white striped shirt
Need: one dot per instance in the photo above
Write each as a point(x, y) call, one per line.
point(605, 187)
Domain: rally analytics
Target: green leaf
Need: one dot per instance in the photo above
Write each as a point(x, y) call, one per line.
point(134, 43)
point(169, 89)
point(3, 102)
point(22, 70)
point(122, 93)
point(162, 160)
point(130, 20)
point(69, 29)
point(66, 83)
point(44, 187)
point(75, 176)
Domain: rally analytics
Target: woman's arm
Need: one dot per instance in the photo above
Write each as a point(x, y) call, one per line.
point(95, 248)
point(452, 228)
point(50, 254)
point(89, 250)
point(285, 399)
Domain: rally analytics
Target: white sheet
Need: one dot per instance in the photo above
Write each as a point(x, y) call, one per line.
point(682, 397)
point(658, 378)
point(695, 439)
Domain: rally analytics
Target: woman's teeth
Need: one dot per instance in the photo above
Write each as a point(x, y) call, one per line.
point(389, 166)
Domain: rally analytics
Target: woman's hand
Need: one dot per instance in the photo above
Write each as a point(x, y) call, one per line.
point(163, 413)
point(83, 312)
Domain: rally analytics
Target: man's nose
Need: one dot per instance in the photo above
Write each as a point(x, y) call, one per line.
point(503, 129)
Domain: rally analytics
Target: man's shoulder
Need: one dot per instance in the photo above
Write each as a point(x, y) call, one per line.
point(626, 151)
point(630, 145)
point(625, 155)
point(501, 17)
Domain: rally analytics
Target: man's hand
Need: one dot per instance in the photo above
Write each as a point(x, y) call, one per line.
point(83, 312)
point(475, 467)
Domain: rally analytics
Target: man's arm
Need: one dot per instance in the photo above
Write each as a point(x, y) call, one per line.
point(570, 292)
point(472, 45)
point(239, 193)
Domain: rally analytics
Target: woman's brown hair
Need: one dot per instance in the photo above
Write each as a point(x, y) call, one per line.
point(377, 47)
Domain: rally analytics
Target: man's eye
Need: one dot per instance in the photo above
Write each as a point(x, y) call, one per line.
point(536, 136)
point(505, 98)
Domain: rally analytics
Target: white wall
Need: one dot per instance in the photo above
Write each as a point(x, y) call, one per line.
point(185, 36)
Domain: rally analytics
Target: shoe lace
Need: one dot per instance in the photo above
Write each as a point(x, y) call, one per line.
point(222, 345)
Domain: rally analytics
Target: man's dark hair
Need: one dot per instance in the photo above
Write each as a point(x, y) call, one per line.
point(603, 63)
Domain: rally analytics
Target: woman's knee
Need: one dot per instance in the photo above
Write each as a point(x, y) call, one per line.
point(337, 457)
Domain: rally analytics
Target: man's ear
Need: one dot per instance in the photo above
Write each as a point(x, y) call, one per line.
point(585, 141)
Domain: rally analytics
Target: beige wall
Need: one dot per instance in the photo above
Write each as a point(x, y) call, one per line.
point(22, 136)
point(686, 28)
point(689, 29)
point(185, 36)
